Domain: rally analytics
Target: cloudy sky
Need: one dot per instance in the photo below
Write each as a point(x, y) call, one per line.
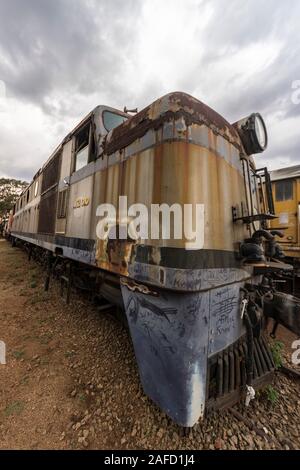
point(60, 58)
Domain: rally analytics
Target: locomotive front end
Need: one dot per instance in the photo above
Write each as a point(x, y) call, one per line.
point(188, 273)
point(164, 214)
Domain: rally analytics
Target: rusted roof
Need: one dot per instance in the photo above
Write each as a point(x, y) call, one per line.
point(170, 106)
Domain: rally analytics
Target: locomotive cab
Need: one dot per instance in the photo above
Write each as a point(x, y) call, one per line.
point(91, 132)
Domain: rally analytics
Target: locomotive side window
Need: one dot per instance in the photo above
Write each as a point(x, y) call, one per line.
point(284, 190)
point(82, 158)
point(51, 173)
point(112, 120)
point(84, 147)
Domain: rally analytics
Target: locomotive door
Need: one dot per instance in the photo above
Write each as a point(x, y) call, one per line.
point(64, 188)
point(62, 204)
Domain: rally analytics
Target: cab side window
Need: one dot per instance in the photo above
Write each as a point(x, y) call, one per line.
point(84, 147)
point(284, 190)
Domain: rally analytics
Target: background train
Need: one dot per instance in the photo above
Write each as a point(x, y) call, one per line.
point(286, 196)
point(196, 316)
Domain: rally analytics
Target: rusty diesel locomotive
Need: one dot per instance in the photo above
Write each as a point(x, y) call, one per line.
point(196, 316)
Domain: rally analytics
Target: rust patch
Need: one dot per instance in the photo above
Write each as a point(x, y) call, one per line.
point(135, 287)
point(114, 255)
point(201, 110)
point(170, 107)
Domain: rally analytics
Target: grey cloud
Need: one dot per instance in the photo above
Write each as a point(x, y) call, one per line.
point(67, 56)
point(53, 46)
point(235, 25)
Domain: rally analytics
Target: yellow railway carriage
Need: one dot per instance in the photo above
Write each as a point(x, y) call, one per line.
point(286, 196)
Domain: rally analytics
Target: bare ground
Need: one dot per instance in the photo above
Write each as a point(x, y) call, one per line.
point(71, 380)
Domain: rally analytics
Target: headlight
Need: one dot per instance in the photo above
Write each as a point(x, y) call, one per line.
point(253, 133)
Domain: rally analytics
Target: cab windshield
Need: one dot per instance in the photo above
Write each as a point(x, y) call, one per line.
point(112, 120)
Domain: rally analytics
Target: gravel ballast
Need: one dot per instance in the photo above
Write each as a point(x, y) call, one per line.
point(71, 380)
